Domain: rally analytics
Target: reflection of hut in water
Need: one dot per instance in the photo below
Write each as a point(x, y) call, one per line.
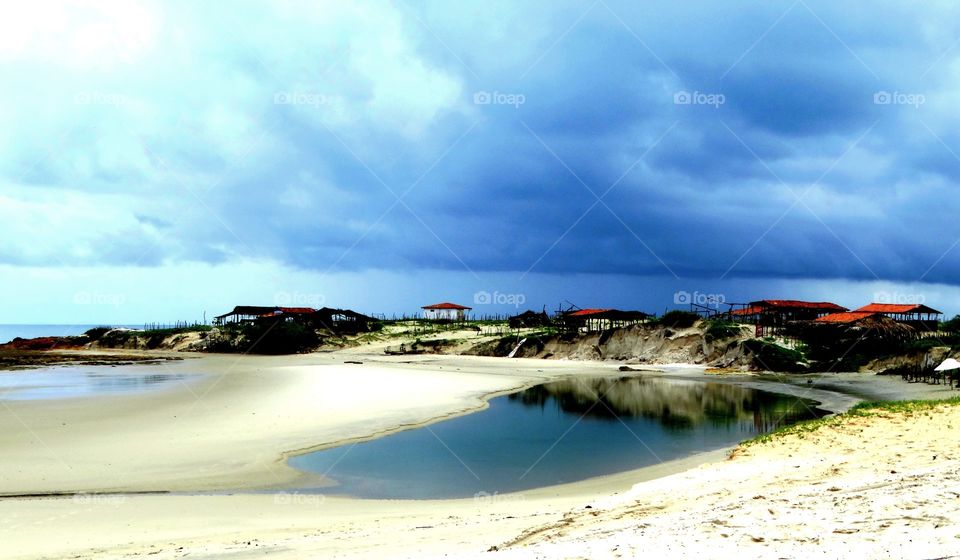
point(675, 404)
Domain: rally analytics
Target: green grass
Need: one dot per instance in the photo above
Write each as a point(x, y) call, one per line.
point(925, 344)
point(860, 410)
point(774, 357)
point(721, 330)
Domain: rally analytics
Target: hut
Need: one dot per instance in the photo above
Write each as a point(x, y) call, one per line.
point(529, 319)
point(243, 313)
point(341, 321)
point(297, 314)
point(848, 318)
point(918, 316)
point(844, 336)
point(599, 319)
point(770, 316)
point(445, 311)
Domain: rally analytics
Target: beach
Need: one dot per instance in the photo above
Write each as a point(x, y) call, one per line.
point(198, 469)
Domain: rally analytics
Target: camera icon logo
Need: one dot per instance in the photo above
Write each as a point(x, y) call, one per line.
point(882, 98)
point(482, 98)
point(682, 98)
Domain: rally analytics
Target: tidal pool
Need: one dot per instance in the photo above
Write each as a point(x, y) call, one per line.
point(81, 381)
point(556, 433)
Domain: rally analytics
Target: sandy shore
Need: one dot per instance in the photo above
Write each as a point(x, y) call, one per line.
point(233, 425)
point(880, 487)
point(231, 422)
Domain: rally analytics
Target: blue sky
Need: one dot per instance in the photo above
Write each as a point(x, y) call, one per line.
point(159, 160)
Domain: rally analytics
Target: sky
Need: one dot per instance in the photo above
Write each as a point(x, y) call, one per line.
point(164, 161)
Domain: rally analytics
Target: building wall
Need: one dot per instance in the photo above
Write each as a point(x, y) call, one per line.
point(448, 314)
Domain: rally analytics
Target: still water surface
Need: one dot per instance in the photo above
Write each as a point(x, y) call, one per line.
point(82, 381)
point(556, 433)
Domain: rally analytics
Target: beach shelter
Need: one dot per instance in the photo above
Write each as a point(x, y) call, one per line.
point(948, 365)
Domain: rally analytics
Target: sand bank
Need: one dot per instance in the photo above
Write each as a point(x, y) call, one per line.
point(231, 422)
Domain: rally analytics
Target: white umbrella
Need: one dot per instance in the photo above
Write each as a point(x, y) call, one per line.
point(948, 364)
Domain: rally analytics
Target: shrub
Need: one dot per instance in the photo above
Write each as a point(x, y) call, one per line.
point(774, 357)
point(280, 338)
point(115, 338)
point(721, 330)
point(952, 326)
point(97, 332)
point(678, 319)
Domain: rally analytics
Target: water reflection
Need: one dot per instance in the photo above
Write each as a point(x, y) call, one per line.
point(67, 382)
point(675, 403)
point(555, 433)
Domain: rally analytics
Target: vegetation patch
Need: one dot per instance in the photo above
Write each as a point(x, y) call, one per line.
point(150, 339)
point(860, 410)
point(721, 330)
point(677, 319)
point(96, 333)
point(263, 338)
point(773, 357)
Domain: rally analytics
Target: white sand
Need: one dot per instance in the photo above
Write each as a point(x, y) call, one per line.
point(232, 428)
point(831, 494)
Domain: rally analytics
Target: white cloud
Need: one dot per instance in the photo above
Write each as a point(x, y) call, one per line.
point(59, 227)
point(79, 35)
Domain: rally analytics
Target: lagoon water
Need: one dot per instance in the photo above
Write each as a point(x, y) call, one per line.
point(556, 433)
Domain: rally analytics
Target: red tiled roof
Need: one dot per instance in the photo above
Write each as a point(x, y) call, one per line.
point(751, 310)
point(822, 305)
point(586, 312)
point(846, 317)
point(445, 305)
point(897, 308)
point(289, 311)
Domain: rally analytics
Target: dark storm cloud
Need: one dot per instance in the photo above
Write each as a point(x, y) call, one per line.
point(507, 123)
